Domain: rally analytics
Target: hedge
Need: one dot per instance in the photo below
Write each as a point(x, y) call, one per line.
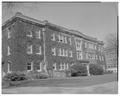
point(78, 70)
point(95, 69)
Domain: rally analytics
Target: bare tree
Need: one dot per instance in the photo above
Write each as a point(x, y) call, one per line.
point(112, 41)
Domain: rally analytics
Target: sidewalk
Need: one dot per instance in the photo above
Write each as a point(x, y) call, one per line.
point(107, 88)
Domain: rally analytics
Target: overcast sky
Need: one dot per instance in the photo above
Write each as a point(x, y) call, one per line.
point(93, 19)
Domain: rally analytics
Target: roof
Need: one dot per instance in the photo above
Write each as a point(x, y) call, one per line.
point(74, 32)
point(20, 15)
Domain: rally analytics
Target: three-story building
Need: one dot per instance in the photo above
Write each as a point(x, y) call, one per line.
point(32, 45)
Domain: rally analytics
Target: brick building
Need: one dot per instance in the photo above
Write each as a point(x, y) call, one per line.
point(32, 45)
point(111, 59)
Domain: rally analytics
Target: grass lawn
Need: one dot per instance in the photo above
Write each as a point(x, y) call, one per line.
point(72, 82)
point(89, 84)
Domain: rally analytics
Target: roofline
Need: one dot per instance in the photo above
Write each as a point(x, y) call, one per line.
point(74, 32)
point(20, 15)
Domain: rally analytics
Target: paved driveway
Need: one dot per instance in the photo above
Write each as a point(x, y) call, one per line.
point(107, 88)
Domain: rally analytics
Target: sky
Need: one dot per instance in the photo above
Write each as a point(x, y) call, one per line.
point(93, 19)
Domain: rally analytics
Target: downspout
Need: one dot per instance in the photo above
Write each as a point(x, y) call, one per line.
point(44, 37)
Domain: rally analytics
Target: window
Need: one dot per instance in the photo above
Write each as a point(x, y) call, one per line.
point(79, 55)
point(9, 67)
point(71, 54)
point(38, 34)
point(39, 66)
point(30, 66)
point(9, 33)
point(70, 41)
point(54, 66)
point(63, 52)
point(8, 51)
point(53, 37)
point(66, 66)
point(95, 47)
point(91, 46)
point(86, 44)
point(66, 53)
point(39, 50)
point(60, 52)
point(60, 38)
point(78, 43)
point(65, 39)
point(29, 33)
point(62, 66)
point(29, 49)
point(53, 51)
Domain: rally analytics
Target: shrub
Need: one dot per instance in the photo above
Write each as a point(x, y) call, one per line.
point(15, 77)
point(41, 76)
point(108, 72)
point(37, 75)
point(78, 70)
point(68, 73)
point(95, 69)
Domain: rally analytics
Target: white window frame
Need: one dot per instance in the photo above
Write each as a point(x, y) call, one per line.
point(38, 33)
point(62, 38)
point(29, 35)
point(40, 65)
point(59, 52)
point(65, 39)
point(40, 51)
point(29, 47)
point(63, 52)
point(66, 66)
point(62, 66)
point(79, 55)
point(53, 37)
point(8, 51)
point(31, 66)
point(71, 53)
point(53, 51)
point(78, 43)
point(95, 46)
point(59, 38)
